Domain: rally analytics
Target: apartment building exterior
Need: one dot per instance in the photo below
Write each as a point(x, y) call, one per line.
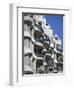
point(42, 48)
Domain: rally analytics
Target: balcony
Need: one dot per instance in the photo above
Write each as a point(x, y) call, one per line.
point(36, 42)
point(37, 30)
point(57, 51)
point(26, 34)
point(27, 51)
point(37, 58)
point(47, 30)
point(27, 70)
point(28, 20)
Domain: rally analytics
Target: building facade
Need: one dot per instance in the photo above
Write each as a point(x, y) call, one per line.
point(42, 48)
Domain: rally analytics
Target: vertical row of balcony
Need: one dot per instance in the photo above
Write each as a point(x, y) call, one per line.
point(27, 45)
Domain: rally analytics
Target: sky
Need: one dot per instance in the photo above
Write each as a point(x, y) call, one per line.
point(56, 23)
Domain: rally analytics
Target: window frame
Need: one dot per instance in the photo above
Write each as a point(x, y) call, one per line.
point(15, 58)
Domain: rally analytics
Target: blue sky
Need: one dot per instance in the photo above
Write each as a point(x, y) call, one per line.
point(56, 22)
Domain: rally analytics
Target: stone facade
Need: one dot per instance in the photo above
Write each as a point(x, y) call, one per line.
point(42, 48)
